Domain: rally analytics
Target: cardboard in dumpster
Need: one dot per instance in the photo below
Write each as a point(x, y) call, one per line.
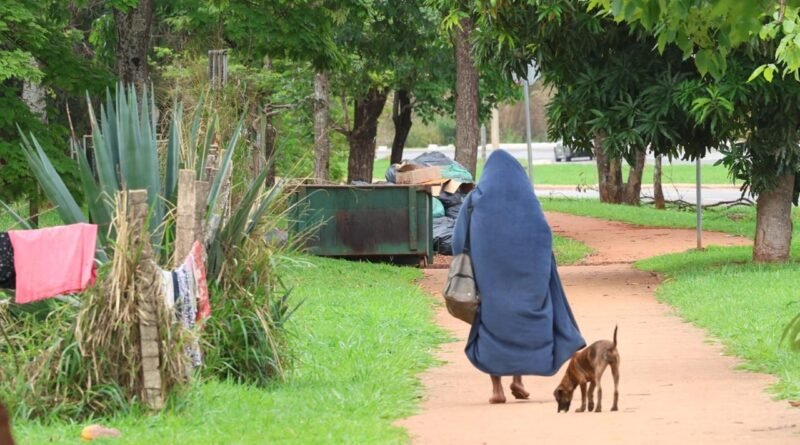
point(451, 186)
point(416, 174)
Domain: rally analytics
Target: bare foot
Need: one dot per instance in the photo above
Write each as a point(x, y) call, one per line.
point(518, 390)
point(497, 398)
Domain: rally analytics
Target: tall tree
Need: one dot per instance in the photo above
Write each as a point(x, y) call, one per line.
point(322, 142)
point(467, 96)
point(666, 104)
point(381, 39)
point(133, 41)
point(402, 110)
point(658, 190)
point(720, 37)
point(613, 94)
point(361, 136)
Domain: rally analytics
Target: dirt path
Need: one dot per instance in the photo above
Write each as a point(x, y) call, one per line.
point(676, 387)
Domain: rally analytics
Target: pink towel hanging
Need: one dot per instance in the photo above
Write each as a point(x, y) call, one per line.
point(53, 261)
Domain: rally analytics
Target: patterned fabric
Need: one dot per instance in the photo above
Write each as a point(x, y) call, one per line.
point(7, 275)
point(197, 262)
point(185, 290)
point(186, 308)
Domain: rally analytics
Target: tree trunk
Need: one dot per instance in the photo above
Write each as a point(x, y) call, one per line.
point(362, 137)
point(401, 116)
point(35, 97)
point(774, 222)
point(5, 424)
point(270, 138)
point(609, 174)
point(133, 43)
point(322, 143)
point(467, 98)
point(658, 191)
point(633, 190)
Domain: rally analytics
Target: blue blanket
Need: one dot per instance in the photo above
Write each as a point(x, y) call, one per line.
point(524, 325)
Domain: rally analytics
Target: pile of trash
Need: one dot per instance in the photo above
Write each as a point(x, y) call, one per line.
point(450, 183)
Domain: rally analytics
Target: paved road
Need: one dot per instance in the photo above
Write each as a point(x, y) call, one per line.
point(542, 153)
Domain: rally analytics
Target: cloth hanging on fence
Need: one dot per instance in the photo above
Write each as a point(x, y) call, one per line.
point(186, 307)
point(185, 290)
point(53, 261)
point(168, 288)
point(7, 274)
point(197, 262)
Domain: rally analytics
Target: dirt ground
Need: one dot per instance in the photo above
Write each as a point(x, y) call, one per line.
point(676, 386)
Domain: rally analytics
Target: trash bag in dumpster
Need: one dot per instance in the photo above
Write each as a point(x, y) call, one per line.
point(457, 172)
point(443, 235)
point(434, 158)
point(452, 211)
point(438, 208)
point(451, 199)
point(391, 172)
point(450, 168)
point(452, 202)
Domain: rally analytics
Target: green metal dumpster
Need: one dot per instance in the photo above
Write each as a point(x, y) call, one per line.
point(365, 221)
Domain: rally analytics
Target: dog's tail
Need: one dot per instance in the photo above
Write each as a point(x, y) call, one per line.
point(615, 335)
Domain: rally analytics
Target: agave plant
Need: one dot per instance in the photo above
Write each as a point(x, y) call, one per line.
point(126, 157)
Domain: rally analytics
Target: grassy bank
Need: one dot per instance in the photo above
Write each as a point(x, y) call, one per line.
point(360, 338)
point(569, 251)
point(586, 173)
point(746, 306)
point(736, 221)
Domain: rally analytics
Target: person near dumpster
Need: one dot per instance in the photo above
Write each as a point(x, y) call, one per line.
point(524, 325)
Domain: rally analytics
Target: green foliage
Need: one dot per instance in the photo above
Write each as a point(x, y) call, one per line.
point(247, 334)
point(710, 30)
point(608, 82)
point(39, 43)
point(611, 87)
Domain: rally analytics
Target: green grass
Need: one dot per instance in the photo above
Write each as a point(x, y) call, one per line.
point(745, 305)
point(362, 335)
point(736, 221)
point(586, 173)
point(569, 251)
point(47, 218)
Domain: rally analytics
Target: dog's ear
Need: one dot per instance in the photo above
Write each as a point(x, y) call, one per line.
point(557, 393)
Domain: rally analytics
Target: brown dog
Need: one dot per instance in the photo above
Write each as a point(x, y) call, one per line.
point(587, 366)
point(5, 427)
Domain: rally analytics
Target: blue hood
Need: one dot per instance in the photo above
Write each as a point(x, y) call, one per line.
point(524, 325)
